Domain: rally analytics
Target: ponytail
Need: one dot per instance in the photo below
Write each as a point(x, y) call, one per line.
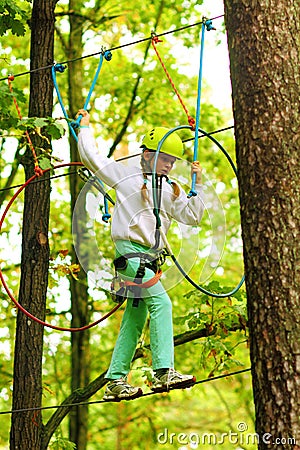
point(144, 191)
point(176, 189)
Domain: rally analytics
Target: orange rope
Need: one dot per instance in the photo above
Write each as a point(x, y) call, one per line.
point(191, 120)
point(38, 171)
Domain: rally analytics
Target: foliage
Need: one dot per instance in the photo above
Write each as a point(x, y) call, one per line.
point(7, 119)
point(60, 443)
point(222, 318)
point(12, 17)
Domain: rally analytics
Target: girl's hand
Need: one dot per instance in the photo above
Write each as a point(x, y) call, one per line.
point(197, 169)
point(85, 120)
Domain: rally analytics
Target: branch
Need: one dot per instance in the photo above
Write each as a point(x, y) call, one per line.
point(126, 121)
point(62, 39)
point(85, 18)
point(83, 394)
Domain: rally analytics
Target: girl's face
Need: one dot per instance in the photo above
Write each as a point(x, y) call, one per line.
point(164, 162)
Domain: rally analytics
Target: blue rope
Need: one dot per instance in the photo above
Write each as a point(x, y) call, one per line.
point(107, 55)
point(206, 25)
point(61, 68)
point(75, 124)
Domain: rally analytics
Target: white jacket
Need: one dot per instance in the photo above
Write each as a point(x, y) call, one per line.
point(133, 218)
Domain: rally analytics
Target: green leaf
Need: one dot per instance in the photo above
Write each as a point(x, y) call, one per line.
point(39, 122)
point(56, 130)
point(45, 163)
point(17, 27)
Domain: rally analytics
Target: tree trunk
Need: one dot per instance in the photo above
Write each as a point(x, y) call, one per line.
point(264, 47)
point(78, 425)
point(26, 427)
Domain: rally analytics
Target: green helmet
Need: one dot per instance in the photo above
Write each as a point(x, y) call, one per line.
point(172, 145)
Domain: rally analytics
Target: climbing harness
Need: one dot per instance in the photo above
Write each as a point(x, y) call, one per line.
point(152, 261)
point(2, 277)
point(60, 68)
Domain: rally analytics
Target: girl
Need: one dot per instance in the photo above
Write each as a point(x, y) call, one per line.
point(133, 232)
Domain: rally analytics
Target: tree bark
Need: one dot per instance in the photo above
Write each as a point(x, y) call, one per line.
point(26, 428)
point(264, 48)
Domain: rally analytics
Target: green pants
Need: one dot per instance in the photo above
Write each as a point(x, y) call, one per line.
point(156, 301)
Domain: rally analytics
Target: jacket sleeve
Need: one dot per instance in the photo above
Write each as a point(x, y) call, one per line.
point(189, 210)
point(108, 170)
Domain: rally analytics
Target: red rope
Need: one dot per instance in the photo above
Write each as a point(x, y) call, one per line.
point(38, 171)
point(17, 304)
point(191, 120)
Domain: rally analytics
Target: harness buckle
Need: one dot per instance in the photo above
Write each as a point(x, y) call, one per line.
point(118, 290)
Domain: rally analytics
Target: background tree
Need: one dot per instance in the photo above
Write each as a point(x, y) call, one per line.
point(35, 248)
point(264, 51)
point(80, 310)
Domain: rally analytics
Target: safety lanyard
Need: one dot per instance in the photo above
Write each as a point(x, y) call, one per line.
point(59, 68)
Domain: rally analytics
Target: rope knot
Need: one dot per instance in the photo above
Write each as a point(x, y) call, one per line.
point(38, 171)
point(107, 55)
point(192, 122)
point(76, 123)
point(155, 38)
point(106, 217)
point(208, 24)
point(59, 68)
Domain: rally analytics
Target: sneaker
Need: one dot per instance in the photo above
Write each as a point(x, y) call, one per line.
point(119, 389)
point(172, 380)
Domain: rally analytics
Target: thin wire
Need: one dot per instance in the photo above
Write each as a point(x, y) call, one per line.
point(71, 405)
point(111, 49)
